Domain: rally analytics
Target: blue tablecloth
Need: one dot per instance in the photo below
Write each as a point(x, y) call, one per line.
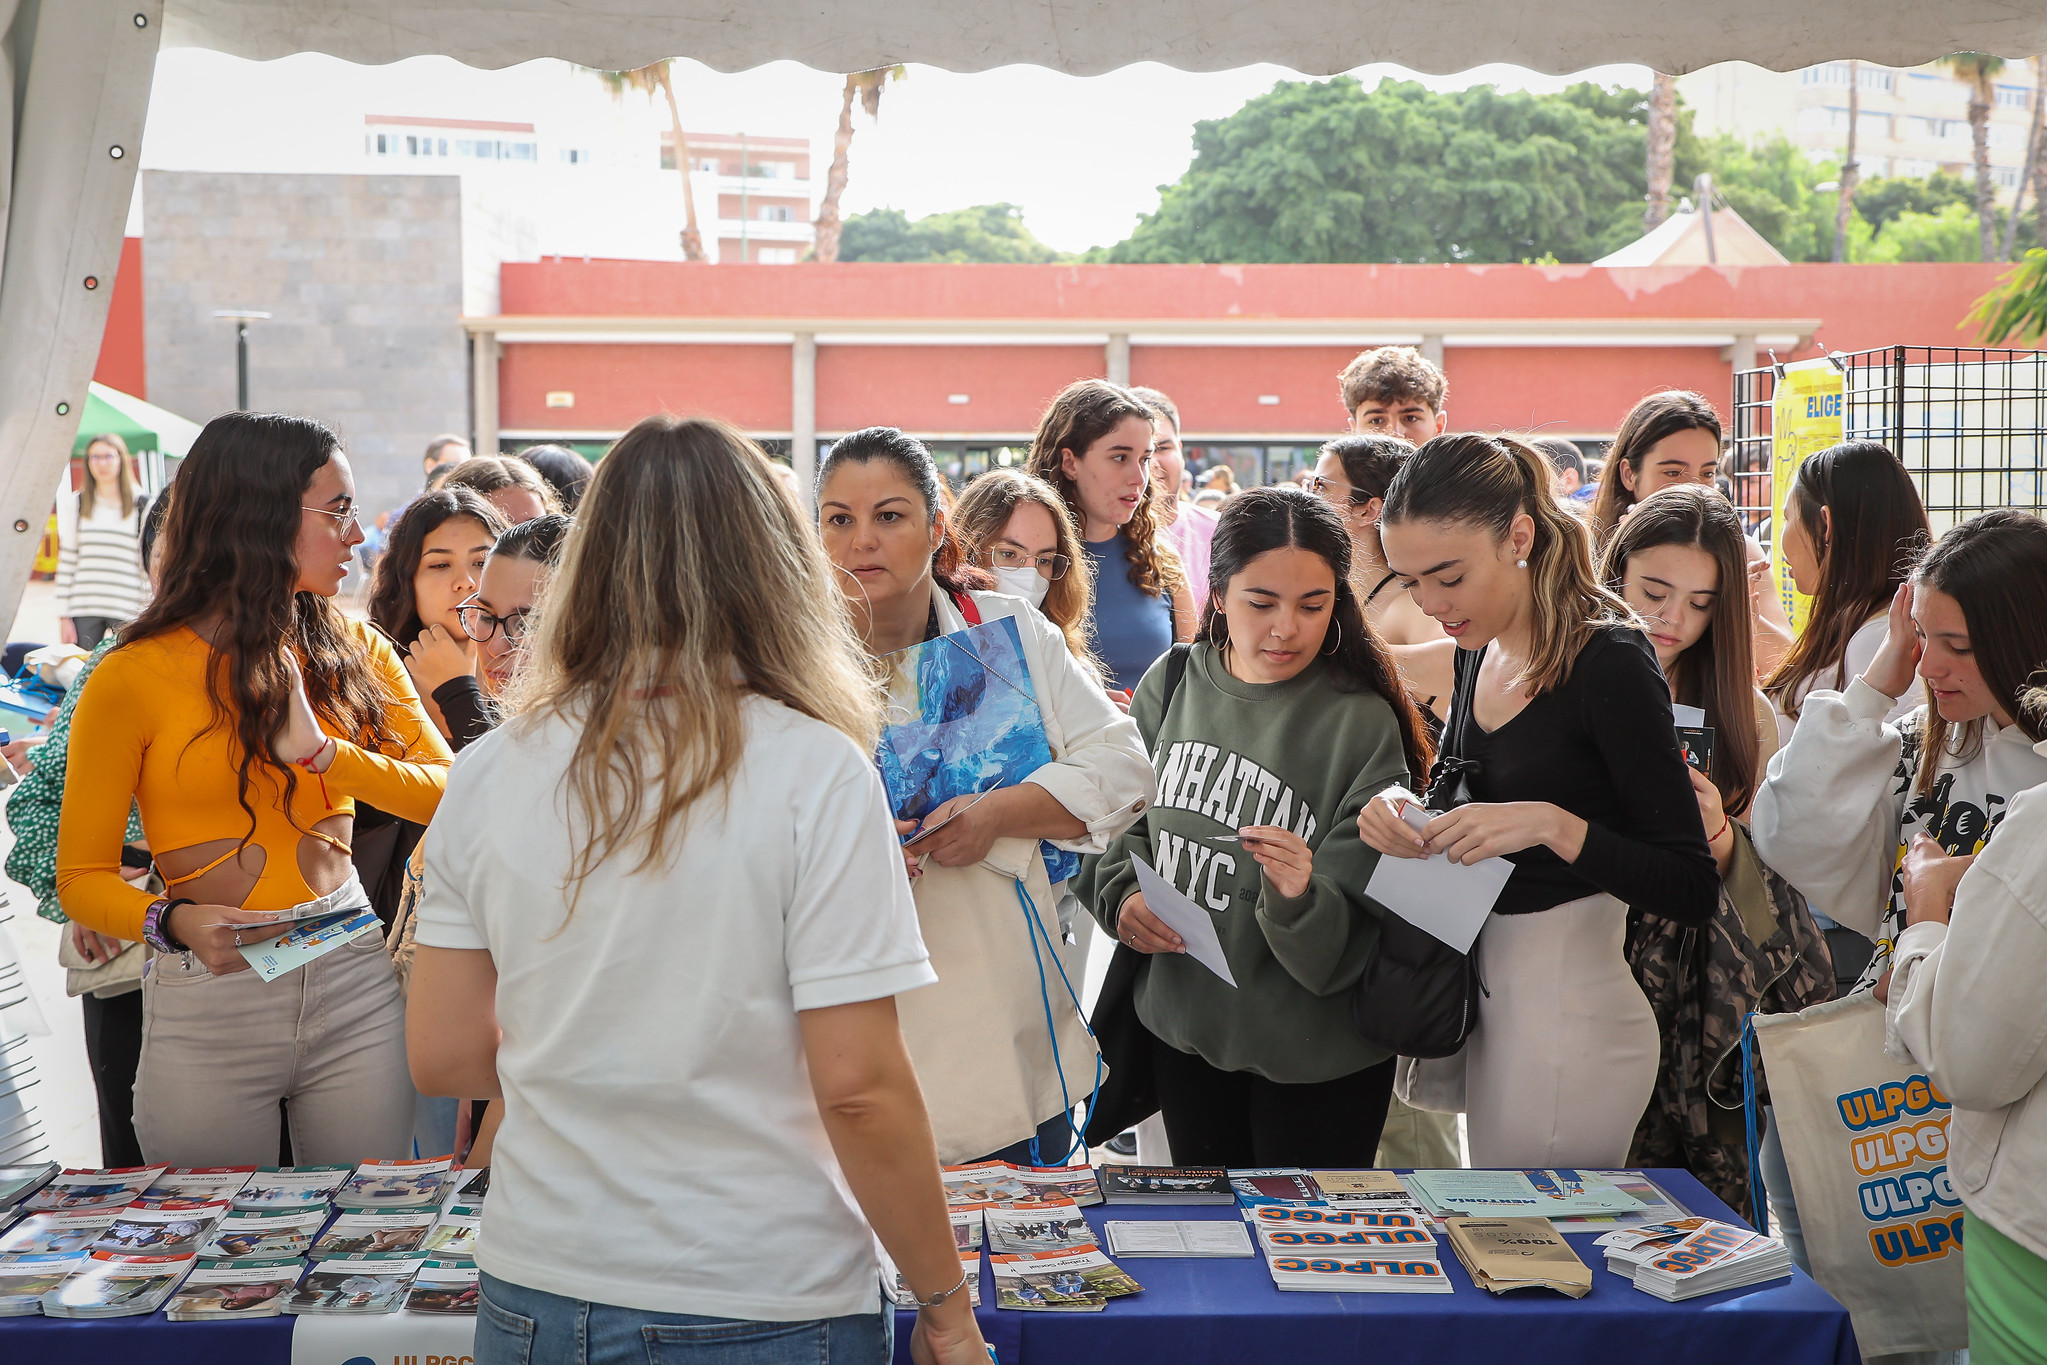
point(1207, 1312)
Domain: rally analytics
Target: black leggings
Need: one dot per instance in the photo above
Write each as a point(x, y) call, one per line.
point(1235, 1118)
point(113, 1048)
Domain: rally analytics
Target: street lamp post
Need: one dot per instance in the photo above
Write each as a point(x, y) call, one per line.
point(241, 318)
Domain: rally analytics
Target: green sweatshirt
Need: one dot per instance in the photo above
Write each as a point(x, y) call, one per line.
point(1297, 754)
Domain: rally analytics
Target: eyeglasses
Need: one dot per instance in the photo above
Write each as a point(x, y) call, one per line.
point(479, 625)
point(1052, 566)
point(1329, 490)
point(348, 519)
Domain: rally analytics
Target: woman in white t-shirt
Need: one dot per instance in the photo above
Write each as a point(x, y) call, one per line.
point(1853, 525)
point(665, 920)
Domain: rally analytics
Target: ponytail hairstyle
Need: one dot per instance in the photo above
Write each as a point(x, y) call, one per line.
point(1717, 673)
point(1658, 416)
point(1370, 460)
point(1874, 528)
point(1084, 412)
point(226, 555)
point(1487, 481)
point(981, 513)
point(1286, 516)
point(538, 541)
point(950, 567)
point(1995, 567)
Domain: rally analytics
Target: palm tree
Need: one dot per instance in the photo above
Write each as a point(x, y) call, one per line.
point(866, 86)
point(1977, 70)
point(647, 80)
point(1851, 171)
point(1662, 156)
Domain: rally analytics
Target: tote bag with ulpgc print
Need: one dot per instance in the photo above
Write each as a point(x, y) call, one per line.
point(1866, 1141)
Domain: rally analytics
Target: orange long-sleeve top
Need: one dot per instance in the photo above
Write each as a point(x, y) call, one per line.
point(144, 731)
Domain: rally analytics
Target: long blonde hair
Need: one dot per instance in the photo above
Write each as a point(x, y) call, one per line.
point(1487, 481)
point(985, 509)
point(687, 581)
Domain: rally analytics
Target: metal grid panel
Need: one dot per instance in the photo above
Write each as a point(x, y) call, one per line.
point(1969, 423)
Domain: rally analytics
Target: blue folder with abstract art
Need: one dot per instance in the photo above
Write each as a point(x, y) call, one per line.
point(962, 719)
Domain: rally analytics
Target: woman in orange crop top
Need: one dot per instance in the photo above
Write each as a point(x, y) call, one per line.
point(244, 714)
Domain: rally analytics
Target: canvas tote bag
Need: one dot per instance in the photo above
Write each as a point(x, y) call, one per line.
point(1865, 1138)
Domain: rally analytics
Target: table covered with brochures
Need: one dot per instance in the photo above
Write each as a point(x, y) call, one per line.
point(1190, 1310)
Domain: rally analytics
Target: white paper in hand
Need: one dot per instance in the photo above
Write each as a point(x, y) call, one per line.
point(1447, 900)
point(1194, 925)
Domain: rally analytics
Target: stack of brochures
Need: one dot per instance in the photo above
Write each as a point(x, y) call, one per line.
point(899, 1292)
point(1166, 1185)
point(1044, 1254)
point(357, 1233)
point(203, 1183)
point(244, 1288)
point(1362, 1189)
point(25, 1279)
point(78, 1189)
point(377, 1282)
point(444, 1286)
point(1028, 1227)
point(1274, 1185)
point(18, 1183)
point(1204, 1239)
point(1003, 1182)
point(1079, 1281)
point(453, 1235)
point(106, 1285)
point(273, 1188)
point(395, 1184)
point(287, 1234)
point(1519, 1194)
point(49, 1234)
point(172, 1228)
point(1687, 1262)
point(1385, 1250)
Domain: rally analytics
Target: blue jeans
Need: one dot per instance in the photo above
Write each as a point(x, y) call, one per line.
point(520, 1326)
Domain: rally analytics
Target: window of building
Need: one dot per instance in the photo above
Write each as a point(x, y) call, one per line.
point(708, 165)
point(2007, 177)
point(2014, 97)
point(775, 255)
point(777, 213)
point(576, 156)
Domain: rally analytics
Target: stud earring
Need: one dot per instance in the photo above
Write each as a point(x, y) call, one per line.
point(1520, 563)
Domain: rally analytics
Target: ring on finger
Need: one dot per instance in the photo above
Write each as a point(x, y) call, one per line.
point(238, 938)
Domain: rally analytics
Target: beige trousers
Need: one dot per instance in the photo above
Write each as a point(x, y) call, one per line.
point(1564, 1058)
point(218, 1053)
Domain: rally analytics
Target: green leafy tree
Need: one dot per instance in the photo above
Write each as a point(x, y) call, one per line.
point(2015, 312)
point(988, 233)
point(1770, 184)
point(1949, 235)
point(1879, 201)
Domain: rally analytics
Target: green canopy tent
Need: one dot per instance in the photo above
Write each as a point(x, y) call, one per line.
point(153, 434)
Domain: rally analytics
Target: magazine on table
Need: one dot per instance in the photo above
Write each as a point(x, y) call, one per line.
point(110, 1286)
point(1520, 1194)
point(55, 1234)
point(17, 1183)
point(1059, 1280)
point(1205, 1239)
point(177, 1228)
point(966, 1228)
point(1076, 1183)
point(1274, 1185)
point(202, 1183)
point(25, 1279)
point(899, 1293)
point(1033, 1227)
point(453, 1237)
point(342, 1285)
point(1361, 1189)
point(1709, 1259)
point(1166, 1185)
point(245, 1288)
point(1358, 1274)
point(292, 1187)
point(1658, 1205)
point(84, 1189)
point(444, 1286)
point(983, 1183)
point(359, 1233)
point(265, 1236)
point(1343, 1232)
point(395, 1184)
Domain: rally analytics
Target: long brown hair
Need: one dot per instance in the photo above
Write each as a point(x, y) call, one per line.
point(979, 516)
point(88, 492)
point(1487, 481)
point(1718, 672)
point(488, 474)
point(226, 557)
point(1878, 528)
point(1283, 516)
point(1656, 417)
point(392, 609)
point(1084, 412)
point(687, 581)
point(1995, 567)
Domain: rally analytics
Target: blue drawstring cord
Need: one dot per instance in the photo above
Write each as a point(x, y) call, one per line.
point(1759, 1203)
point(1037, 930)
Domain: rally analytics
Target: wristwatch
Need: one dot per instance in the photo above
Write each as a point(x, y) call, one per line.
point(942, 1295)
point(155, 932)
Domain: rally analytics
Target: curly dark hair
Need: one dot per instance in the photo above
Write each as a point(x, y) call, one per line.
point(1084, 412)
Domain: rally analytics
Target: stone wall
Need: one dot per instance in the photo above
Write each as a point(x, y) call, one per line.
point(362, 276)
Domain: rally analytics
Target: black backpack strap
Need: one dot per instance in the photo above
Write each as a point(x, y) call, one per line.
point(1176, 669)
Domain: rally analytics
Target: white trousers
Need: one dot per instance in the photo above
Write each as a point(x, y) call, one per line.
point(1564, 1058)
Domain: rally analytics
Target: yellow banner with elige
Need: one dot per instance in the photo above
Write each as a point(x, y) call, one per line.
point(1805, 418)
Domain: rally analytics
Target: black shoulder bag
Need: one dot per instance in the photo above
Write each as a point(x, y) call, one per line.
point(1129, 1095)
point(1418, 996)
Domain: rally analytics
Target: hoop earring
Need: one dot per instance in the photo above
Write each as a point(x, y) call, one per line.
point(1337, 643)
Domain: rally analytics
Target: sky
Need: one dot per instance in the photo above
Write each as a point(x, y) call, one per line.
point(1082, 156)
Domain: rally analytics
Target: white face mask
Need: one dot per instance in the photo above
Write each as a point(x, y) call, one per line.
point(1028, 584)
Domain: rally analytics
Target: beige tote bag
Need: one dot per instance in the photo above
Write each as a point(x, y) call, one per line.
point(1866, 1142)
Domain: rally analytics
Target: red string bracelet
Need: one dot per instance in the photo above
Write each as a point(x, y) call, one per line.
point(310, 759)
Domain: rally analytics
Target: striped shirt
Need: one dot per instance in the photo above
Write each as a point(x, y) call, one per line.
point(99, 562)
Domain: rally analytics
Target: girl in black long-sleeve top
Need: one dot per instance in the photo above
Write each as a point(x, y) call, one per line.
point(1563, 757)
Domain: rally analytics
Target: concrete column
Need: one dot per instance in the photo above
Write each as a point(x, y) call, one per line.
point(803, 412)
point(1432, 350)
point(1743, 353)
point(1118, 358)
point(483, 358)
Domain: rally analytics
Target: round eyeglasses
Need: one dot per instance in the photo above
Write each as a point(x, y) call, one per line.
point(1051, 566)
point(479, 624)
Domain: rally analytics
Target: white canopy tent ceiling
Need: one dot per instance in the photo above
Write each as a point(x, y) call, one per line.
point(75, 75)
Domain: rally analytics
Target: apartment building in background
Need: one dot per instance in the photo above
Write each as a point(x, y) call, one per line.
point(763, 192)
point(1912, 121)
